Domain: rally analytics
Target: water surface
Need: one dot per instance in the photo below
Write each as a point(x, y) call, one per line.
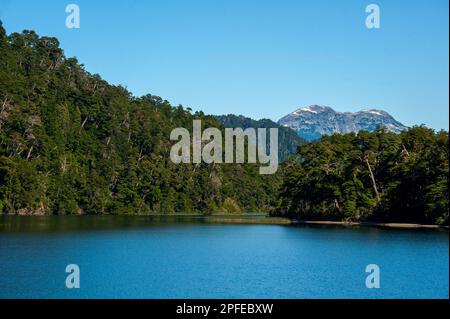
point(180, 257)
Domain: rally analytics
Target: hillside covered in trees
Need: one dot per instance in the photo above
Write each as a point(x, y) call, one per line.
point(288, 140)
point(378, 176)
point(70, 143)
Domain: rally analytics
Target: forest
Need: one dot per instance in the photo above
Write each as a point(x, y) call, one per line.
point(370, 176)
point(70, 143)
point(288, 140)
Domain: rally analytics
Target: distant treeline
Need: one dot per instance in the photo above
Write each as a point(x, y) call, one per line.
point(288, 139)
point(378, 176)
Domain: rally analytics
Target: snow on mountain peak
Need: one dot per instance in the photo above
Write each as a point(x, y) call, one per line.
point(316, 120)
point(311, 109)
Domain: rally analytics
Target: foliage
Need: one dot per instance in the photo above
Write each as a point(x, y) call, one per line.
point(378, 176)
point(288, 139)
point(70, 143)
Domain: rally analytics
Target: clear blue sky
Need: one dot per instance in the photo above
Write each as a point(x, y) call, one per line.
point(260, 58)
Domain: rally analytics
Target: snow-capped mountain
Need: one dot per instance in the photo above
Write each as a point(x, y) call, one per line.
point(316, 120)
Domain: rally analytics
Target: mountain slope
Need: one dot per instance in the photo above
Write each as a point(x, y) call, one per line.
point(70, 143)
point(288, 140)
point(314, 121)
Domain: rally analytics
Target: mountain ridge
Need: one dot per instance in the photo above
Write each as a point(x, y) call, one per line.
point(288, 140)
point(314, 121)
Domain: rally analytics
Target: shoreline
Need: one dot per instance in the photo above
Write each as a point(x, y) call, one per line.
point(368, 224)
point(259, 218)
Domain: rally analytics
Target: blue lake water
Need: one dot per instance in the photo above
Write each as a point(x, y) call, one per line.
point(140, 257)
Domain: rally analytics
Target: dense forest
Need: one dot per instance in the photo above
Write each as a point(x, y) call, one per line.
point(288, 140)
point(70, 143)
point(377, 176)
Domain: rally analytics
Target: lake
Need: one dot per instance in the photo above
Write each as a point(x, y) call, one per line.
point(197, 257)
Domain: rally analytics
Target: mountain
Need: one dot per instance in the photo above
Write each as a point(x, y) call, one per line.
point(316, 120)
point(288, 140)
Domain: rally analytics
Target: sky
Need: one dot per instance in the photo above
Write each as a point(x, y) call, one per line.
point(260, 58)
